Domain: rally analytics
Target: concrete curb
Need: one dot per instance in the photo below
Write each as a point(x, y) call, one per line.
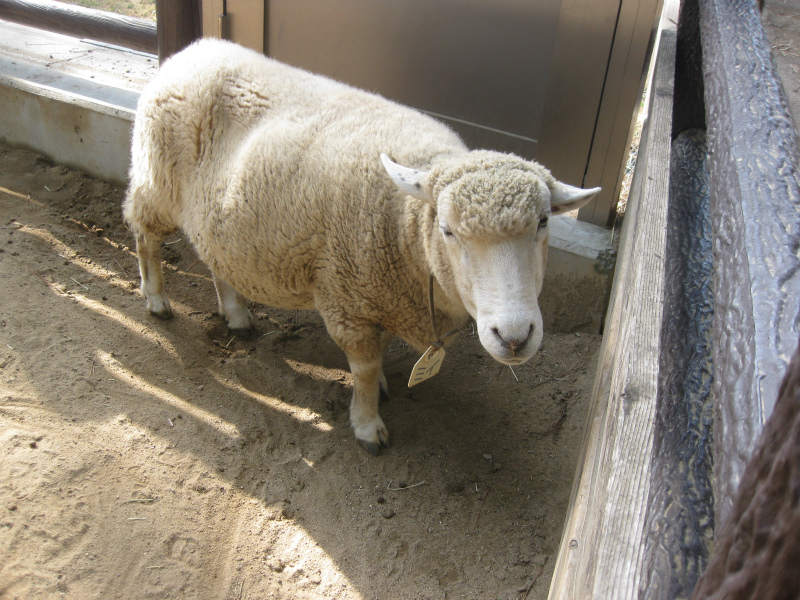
point(81, 132)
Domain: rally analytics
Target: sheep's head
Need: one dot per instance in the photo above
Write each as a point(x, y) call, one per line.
point(492, 212)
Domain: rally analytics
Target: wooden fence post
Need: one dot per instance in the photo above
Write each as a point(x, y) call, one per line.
point(179, 24)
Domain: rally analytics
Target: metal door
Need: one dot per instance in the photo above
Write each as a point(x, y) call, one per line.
point(553, 80)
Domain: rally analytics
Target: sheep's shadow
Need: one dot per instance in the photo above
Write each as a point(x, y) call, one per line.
point(269, 417)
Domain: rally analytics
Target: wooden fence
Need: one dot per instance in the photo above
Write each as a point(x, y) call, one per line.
point(704, 314)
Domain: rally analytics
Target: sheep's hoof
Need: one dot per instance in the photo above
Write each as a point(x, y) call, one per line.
point(164, 312)
point(371, 447)
point(245, 332)
point(374, 448)
point(159, 307)
point(371, 434)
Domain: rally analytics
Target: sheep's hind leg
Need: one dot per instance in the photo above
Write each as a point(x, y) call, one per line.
point(148, 249)
point(233, 308)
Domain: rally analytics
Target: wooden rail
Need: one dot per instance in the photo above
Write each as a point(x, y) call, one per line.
point(179, 23)
point(603, 541)
point(679, 520)
point(67, 19)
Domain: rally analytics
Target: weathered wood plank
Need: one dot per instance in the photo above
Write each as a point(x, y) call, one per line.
point(755, 202)
point(602, 546)
point(77, 21)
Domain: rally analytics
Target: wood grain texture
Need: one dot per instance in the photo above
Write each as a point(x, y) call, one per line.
point(755, 196)
point(679, 526)
point(77, 21)
point(602, 546)
point(757, 554)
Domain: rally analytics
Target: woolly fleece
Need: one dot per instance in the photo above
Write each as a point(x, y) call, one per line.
point(276, 177)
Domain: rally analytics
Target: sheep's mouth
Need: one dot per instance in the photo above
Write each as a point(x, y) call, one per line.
point(511, 360)
point(515, 357)
point(510, 354)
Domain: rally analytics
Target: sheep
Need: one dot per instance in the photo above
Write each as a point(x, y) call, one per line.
point(300, 192)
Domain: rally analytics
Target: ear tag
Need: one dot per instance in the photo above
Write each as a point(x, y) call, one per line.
point(427, 366)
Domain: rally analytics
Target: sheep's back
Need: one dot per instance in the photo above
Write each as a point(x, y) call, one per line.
point(280, 177)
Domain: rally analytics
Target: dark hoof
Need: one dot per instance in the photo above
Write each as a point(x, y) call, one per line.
point(373, 448)
point(245, 334)
point(164, 315)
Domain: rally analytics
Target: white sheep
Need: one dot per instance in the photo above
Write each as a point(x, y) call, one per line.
point(282, 181)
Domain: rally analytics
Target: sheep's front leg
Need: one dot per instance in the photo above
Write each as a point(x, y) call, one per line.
point(233, 308)
point(369, 428)
point(363, 343)
point(148, 250)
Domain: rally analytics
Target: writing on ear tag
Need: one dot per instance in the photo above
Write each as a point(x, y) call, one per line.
point(427, 366)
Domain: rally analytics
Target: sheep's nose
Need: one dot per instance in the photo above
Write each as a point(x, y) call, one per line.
point(511, 342)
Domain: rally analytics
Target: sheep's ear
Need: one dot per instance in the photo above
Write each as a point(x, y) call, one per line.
point(564, 197)
point(411, 181)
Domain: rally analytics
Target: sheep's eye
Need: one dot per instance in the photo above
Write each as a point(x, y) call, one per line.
point(446, 231)
point(543, 222)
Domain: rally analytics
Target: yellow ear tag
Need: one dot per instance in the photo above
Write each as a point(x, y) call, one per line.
point(427, 366)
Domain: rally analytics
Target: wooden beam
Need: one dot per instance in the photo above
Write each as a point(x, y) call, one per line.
point(77, 21)
point(641, 519)
point(754, 167)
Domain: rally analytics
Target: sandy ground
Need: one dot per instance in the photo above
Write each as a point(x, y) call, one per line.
point(148, 459)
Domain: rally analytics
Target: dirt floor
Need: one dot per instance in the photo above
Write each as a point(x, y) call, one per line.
point(781, 19)
point(149, 459)
point(144, 9)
